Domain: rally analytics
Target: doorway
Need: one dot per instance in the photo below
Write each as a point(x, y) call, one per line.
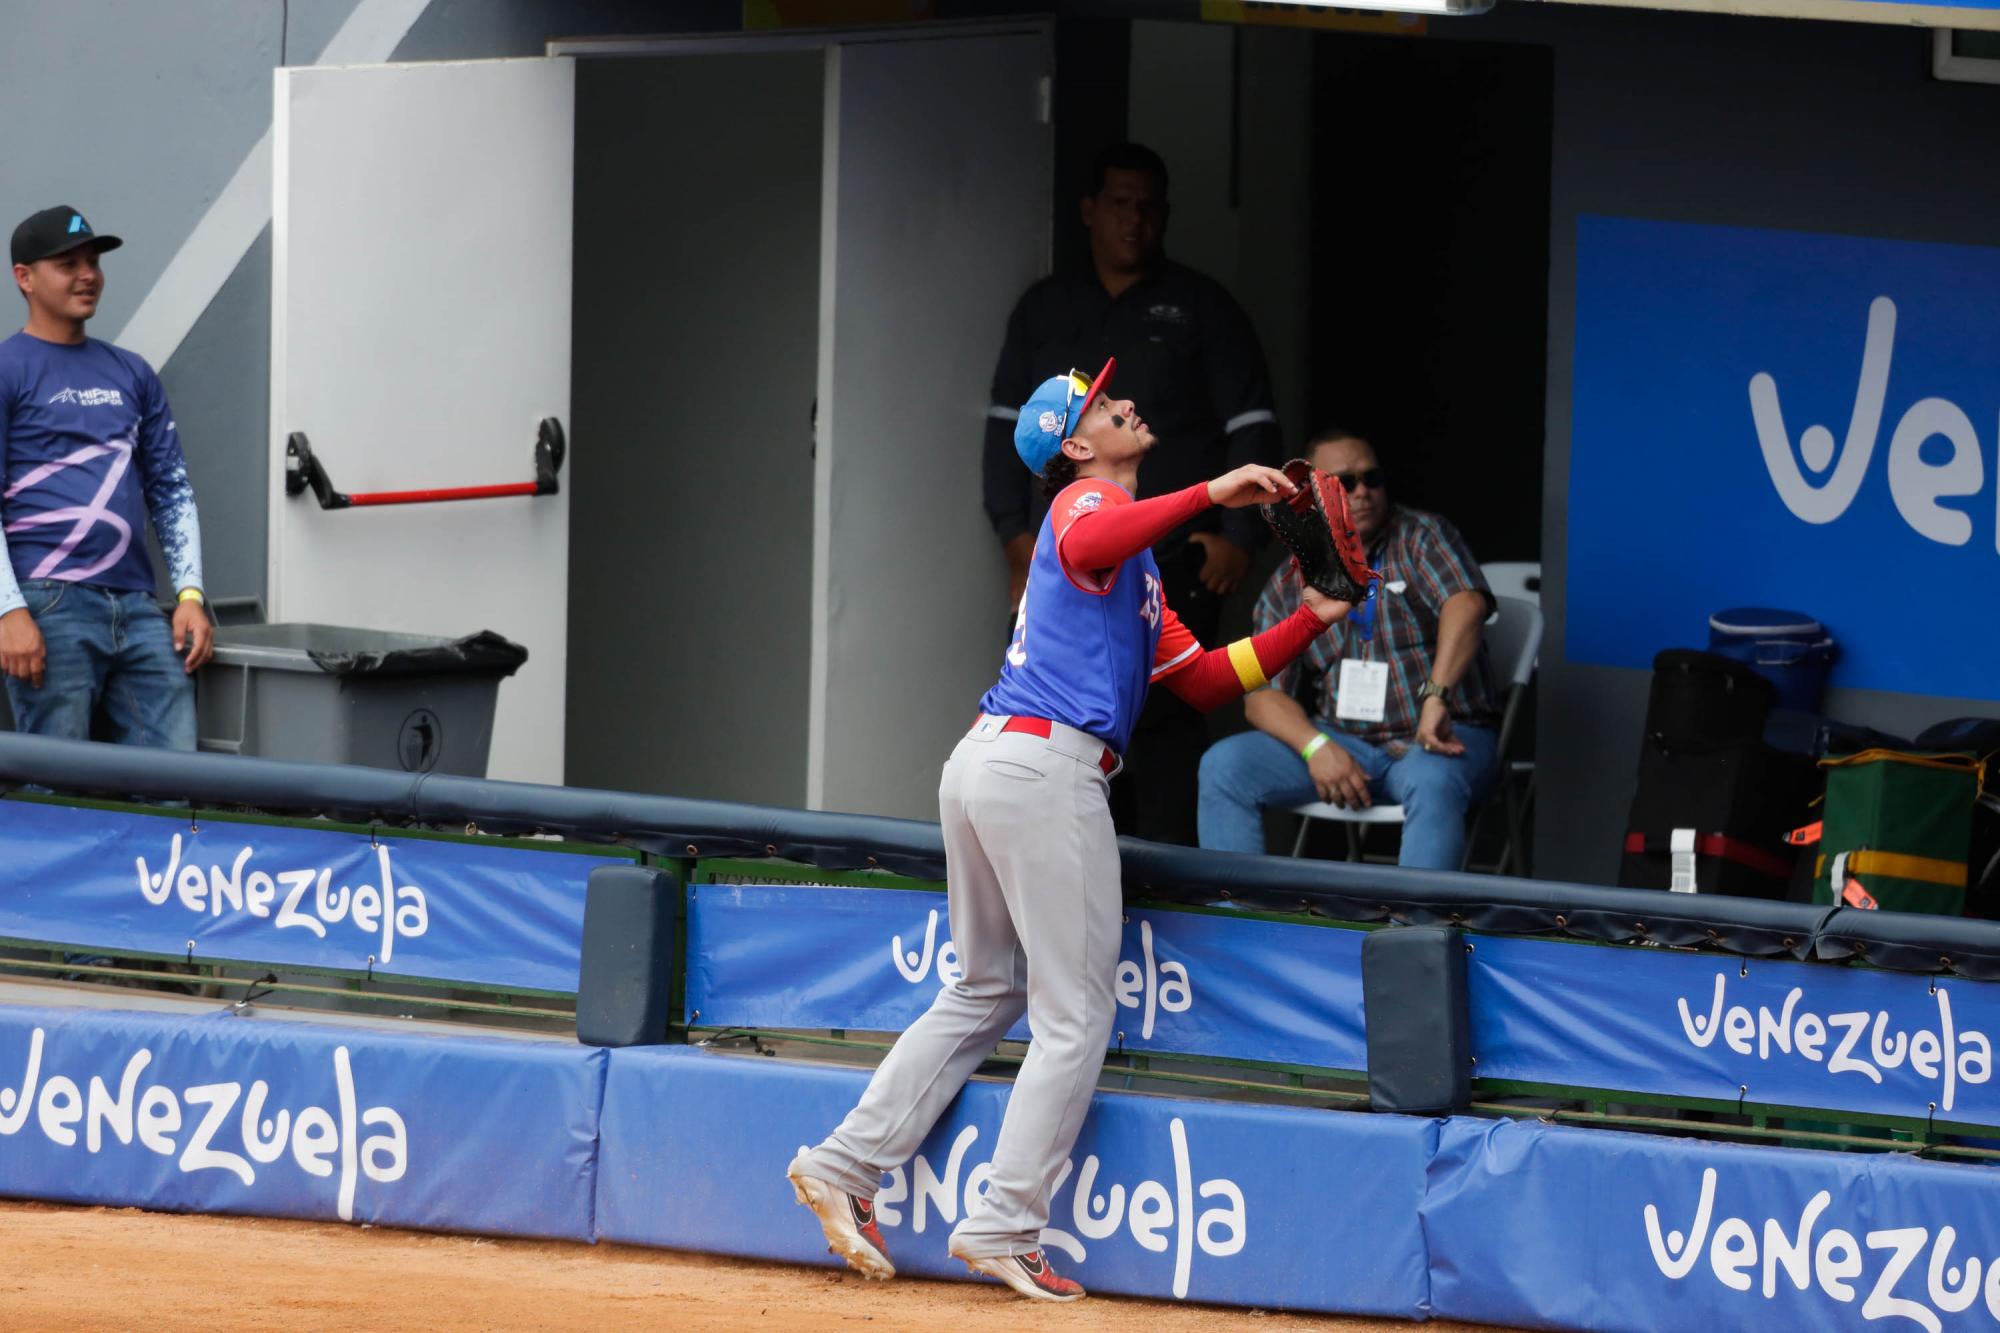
point(695, 356)
point(780, 361)
point(1429, 286)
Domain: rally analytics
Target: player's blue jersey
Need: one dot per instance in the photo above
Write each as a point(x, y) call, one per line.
point(1084, 651)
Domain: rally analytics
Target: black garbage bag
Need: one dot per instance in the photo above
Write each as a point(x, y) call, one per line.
point(484, 653)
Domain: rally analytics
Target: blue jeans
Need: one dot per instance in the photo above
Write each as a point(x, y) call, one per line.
point(111, 658)
point(1243, 774)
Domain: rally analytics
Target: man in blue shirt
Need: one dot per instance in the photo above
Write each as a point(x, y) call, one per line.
point(88, 451)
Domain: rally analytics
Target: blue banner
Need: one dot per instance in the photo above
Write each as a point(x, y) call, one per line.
point(1811, 1035)
point(1191, 983)
point(1521, 1224)
point(118, 881)
point(1764, 418)
point(1546, 1227)
point(1204, 1201)
point(221, 1114)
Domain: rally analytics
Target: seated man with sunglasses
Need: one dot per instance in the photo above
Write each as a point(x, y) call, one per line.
point(1397, 705)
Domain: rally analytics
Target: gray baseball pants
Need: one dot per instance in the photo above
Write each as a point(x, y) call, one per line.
point(1031, 866)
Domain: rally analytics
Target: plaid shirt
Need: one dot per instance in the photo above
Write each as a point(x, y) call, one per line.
point(1424, 562)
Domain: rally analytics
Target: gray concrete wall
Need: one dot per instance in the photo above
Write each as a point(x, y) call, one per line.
point(138, 114)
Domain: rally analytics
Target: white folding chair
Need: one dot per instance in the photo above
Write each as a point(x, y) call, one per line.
point(1515, 578)
point(1513, 642)
point(1353, 820)
point(1522, 579)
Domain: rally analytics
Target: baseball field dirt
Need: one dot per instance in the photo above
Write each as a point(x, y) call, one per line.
point(66, 1268)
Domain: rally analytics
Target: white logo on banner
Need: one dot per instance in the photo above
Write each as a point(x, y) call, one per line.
point(319, 1144)
point(1943, 1055)
point(1832, 1259)
point(1148, 984)
point(1915, 485)
point(389, 909)
point(1159, 1218)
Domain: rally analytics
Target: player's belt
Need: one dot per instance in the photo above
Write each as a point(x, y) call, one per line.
point(1041, 726)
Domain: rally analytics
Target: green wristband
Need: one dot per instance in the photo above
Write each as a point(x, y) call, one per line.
point(1312, 747)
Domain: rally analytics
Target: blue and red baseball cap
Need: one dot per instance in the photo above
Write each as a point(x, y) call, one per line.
point(1052, 412)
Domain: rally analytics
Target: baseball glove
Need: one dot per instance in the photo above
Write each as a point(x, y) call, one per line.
point(1314, 523)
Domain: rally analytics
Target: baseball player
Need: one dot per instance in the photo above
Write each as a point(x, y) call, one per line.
point(1031, 861)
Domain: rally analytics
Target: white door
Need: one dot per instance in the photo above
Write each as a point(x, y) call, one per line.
point(420, 329)
point(935, 219)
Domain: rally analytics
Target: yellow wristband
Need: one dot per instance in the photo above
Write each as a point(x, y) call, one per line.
point(192, 595)
point(1312, 747)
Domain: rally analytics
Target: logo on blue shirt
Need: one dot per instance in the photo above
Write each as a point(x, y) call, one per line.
point(89, 398)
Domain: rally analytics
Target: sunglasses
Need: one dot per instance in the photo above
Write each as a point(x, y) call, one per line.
point(1079, 384)
point(1354, 481)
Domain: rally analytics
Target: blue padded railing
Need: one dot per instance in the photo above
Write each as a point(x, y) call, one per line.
point(680, 827)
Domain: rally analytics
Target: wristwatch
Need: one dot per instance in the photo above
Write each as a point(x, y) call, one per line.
point(1432, 690)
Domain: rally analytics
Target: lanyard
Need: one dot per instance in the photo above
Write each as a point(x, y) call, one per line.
point(1362, 617)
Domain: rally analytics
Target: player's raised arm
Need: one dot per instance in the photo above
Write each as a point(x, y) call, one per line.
point(1103, 533)
point(1208, 678)
point(1251, 484)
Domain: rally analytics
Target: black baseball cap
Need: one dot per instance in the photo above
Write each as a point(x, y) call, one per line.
point(56, 231)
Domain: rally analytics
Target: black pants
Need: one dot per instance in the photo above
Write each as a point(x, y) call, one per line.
point(1156, 797)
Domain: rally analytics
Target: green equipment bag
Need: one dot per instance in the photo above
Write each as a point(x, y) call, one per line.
point(1897, 831)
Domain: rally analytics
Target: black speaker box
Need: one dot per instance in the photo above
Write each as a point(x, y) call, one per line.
point(625, 991)
point(1413, 994)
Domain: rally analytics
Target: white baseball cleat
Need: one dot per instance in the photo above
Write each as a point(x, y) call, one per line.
point(1028, 1274)
point(849, 1223)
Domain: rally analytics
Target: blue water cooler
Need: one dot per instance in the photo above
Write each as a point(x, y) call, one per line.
point(1791, 650)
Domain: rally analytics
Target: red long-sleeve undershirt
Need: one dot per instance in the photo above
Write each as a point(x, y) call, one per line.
point(1105, 538)
point(1108, 537)
point(1211, 680)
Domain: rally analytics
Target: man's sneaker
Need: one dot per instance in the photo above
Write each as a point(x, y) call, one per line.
point(849, 1223)
point(1030, 1275)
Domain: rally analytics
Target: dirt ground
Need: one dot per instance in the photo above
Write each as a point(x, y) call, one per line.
point(64, 1268)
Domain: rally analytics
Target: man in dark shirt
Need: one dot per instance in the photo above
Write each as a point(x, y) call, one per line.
point(1186, 349)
